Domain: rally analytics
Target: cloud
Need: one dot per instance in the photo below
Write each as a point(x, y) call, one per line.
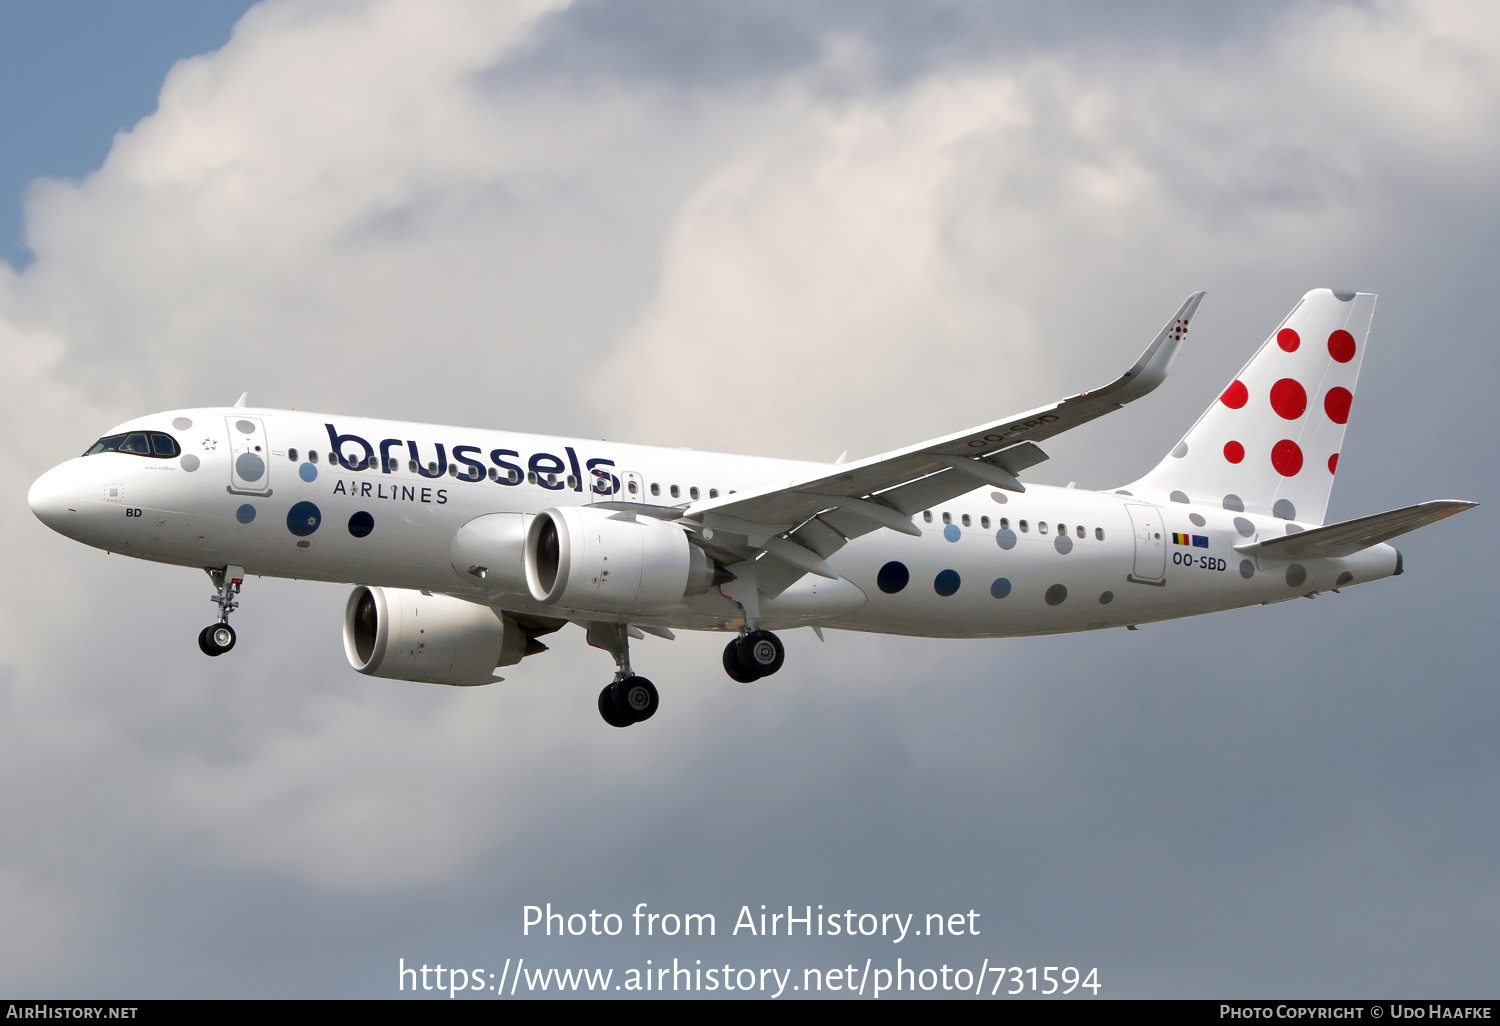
point(826, 230)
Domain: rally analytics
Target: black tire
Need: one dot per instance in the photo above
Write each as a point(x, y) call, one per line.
point(763, 652)
point(636, 698)
point(736, 666)
point(607, 708)
point(216, 639)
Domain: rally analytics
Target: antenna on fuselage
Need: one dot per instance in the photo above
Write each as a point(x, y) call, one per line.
point(242, 400)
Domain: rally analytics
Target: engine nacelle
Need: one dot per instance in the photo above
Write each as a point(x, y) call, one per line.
point(434, 639)
point(582, 557)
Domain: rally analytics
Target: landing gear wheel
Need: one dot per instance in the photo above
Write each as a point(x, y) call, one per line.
point(216, 639)
point(607, 708)
point(636, 697)
point(737, 663)
point(763, 651)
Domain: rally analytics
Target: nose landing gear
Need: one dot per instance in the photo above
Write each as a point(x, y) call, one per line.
point(753, 655)
point(218, 638)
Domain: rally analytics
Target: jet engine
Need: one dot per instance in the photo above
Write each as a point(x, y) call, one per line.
point(434, 639)
point(582, 557)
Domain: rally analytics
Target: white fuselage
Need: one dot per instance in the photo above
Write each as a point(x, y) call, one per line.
point(1083, 560)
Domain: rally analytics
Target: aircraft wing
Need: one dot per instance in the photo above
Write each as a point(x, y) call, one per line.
point(1351, 536)
point(803, 522)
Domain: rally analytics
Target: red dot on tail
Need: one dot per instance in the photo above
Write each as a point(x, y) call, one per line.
point(1333, 463)
point(1288, 339)
point(1336, 404)
point(1234, 452)
point(1341, 346)
point(1286, 457)
point(1235, 396)
point(1288, 399)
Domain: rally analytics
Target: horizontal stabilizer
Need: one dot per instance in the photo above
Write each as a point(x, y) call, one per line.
point(1345, 539)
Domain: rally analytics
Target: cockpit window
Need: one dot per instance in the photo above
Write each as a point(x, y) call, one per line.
point(138, 443)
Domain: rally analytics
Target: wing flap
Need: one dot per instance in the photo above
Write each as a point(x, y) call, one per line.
point(1337, 540)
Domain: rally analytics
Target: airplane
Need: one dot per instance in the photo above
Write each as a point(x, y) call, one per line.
point(467, 546)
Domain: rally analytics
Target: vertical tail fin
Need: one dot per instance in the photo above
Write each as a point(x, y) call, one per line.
point(1270, 443)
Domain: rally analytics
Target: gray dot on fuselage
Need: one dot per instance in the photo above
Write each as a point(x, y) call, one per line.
point(1234, 502)
point(1296, 575)
point(1121, 491)
point(1197, 519)
point(182, 423)
point(1056, 595)
point(1342, 297)
point(1295, 528)
point(1179, 497)
point(1000, 497)
point(1247, 569)
point(1005, 538)
point(1245, 527)
point(190, 463)
point(250, 467)
point(1179, 451)
point(1063, 544)
point(244, 427)
point(1106, 598)
point(1284, 509)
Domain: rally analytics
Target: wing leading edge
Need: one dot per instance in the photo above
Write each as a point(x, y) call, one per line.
point(791, 530)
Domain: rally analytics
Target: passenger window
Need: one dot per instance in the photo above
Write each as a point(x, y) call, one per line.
point(135, 443)
point(1062, 529)
point(453, 470)
point(655, 488)
point(572, 482)
point(410, 465)
point(965, 519)
point(312, 457)
point(1041, 527)
point(1005, 523)
point(494, 475)
point(1080, 531)
point(1023, 526)
point(1099, 533)
point(713, 493)
point(676, 492)
point(693, 492)
point(531, 477)
point(927, 516)
point(984, 522)
point(291, 454)
point(947, 518)
point(632, 487)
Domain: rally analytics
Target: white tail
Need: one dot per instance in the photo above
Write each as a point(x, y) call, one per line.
point(1270, 443)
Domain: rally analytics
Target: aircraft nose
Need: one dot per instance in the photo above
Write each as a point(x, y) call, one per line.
point(54, 497)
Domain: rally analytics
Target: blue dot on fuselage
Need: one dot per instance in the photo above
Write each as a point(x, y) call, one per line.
point(245, 513)
point(946, 583)
point(952, 533)
point(303, 519)
point(893, 577)
point(307, 472)
point(1000, 588)
point(361, 524)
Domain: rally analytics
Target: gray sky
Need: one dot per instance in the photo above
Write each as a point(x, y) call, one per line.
point(791, 230)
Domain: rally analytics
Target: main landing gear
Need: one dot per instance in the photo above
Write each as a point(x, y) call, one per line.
point(218, 638)
point(629, 699)
point(753, 655)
